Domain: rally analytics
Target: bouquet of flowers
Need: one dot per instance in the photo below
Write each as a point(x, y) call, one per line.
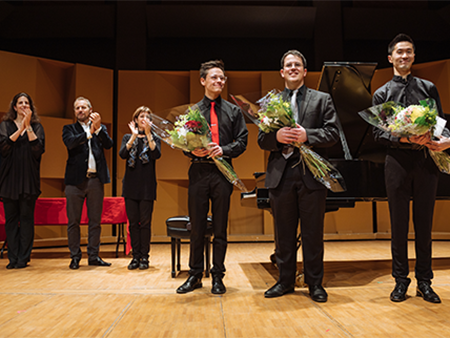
point(414, 120)
point(189, 132)
point(393, 117)
point(275, 113)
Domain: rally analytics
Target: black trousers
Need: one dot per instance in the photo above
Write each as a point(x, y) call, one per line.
point(139, 213)
point(207, 183)
point(90, 190)
point(19, 227)
point(292, 201)
point(411, 173)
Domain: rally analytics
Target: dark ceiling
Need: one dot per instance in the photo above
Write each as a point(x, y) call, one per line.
point(247, 35)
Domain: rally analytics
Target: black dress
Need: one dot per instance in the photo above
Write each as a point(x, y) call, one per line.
point(20, 187)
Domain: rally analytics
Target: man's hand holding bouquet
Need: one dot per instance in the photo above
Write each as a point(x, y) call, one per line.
point(275, 114)
point(191, 133)
point(419, 124)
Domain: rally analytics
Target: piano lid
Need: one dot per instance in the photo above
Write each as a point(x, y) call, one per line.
point(348, 83)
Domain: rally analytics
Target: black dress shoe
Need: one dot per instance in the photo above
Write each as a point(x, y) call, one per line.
point(134, 264)
point(143, 265)
point(399, 292)
point(279, 290)
point(192, 283)
point(11, 266)
point(425, 291)
point(98, 262)
point(218, 287)
point(318, 293)
point(74, 263)
point(22, 265)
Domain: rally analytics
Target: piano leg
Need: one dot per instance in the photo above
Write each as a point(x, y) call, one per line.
point(178, 254)
point(374, 217)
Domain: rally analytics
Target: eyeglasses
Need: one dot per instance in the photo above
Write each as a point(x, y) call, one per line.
point(219, 78)
point(293, 65)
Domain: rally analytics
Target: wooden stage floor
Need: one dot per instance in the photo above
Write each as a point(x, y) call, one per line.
point(47, 299)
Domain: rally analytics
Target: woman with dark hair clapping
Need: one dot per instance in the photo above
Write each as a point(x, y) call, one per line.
point(22, 143)
point(140, 149)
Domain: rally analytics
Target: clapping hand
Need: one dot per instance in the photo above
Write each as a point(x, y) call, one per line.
point(96, 122)
point(133, 128)
point(26, 113)
point(148, 126)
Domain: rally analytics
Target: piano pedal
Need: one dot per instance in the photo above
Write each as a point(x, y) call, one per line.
point(300, 280)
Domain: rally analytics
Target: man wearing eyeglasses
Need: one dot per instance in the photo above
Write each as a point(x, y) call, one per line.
point(294, 193)
point(207, 183)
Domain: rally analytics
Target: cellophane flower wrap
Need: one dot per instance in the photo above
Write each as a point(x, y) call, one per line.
point(189, 132)
point(414, 120)
point(274, 114)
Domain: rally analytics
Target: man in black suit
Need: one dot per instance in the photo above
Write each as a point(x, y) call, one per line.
point(207, 183)
point(86, 173)
point(294, 193)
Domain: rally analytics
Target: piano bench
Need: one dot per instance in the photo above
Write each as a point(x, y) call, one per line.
point(178, 228)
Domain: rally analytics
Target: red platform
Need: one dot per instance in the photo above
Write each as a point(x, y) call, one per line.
point(52, 211)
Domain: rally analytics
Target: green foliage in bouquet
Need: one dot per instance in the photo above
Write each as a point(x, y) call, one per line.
point(275, 113)
point(402, 121)
point(429, 114)
point(191, 131)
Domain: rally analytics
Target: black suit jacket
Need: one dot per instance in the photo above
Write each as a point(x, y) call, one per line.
point(318, 116)
point(76, 141)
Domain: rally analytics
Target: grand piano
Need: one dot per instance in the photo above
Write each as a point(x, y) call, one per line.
point(358, 157)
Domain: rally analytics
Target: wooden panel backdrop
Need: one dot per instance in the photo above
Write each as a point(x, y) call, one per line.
point(54, 85)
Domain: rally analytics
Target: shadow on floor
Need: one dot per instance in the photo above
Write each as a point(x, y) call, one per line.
point(339, 274)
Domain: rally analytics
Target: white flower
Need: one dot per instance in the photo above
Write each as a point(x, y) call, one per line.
point(265, 120)
point(181, 132)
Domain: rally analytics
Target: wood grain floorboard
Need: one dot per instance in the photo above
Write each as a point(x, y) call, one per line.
point(47, 299)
